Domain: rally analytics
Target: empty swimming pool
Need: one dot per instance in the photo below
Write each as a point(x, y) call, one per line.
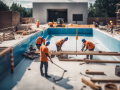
point(102, 42)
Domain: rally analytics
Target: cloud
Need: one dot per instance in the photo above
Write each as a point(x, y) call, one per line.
point(28, 5)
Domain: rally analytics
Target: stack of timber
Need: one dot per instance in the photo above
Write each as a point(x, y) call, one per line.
point(84, 53)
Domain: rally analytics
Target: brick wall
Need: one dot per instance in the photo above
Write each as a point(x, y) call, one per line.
point(15, 18)
point(9, 18)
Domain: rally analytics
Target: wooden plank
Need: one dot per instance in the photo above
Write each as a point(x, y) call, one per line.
point(5, 51)
point(90, 84)
point(105, 80)
point(85, 53)
point(67, 52)
point(87, 60)
point(93, 72)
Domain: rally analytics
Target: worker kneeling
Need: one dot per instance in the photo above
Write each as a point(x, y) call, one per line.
point(39, 41)
point(44, 53)
point(60, 42)
point(50, 24)
point(89, 45)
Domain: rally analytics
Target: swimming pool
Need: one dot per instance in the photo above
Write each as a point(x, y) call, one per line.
point(105, 43)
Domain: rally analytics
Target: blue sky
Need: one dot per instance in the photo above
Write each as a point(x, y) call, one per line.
point(28, 3)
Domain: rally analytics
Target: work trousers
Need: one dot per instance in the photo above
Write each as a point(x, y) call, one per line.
point(112, 30)
point(91, 56)
point(58, 48)
point(38, 46)
point(45, 66)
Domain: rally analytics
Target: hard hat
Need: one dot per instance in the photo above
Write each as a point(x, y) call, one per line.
point(110, 21)
point(83, 40)
point(37, 20)
point(43, 37)
point(66, 38)
point(48, 42)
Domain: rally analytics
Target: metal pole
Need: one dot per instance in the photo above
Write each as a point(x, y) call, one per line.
point(76, 46)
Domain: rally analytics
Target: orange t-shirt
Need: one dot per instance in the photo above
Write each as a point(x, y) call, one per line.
point(38, 41)
point(89, 44)
point(43, 50)
point(112, 25)
point(59, 42)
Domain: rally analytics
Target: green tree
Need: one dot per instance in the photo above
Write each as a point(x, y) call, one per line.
point(103, 8)
point(29, 13)
point(18, 8)
point(3, 7)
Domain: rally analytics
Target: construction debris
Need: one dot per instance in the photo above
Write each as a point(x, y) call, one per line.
point(93, 72)
point(117, 70)
point(29, 69)
point(105, 80)
point(90, 84)
point(110, 86)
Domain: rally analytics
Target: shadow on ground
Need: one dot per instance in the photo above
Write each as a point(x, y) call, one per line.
point(63, 82)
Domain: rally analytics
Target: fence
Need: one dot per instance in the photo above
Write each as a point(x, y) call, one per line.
point(105, 20)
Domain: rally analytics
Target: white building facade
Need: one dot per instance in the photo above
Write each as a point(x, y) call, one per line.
point(50, 11)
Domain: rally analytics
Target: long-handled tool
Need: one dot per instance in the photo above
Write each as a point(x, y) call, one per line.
point(62, 74)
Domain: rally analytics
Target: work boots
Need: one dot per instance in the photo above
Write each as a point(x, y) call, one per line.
point(47, 76)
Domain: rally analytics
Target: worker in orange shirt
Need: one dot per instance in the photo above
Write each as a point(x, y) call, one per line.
point(39, 41)
point(89, 45)
point(111, 26)
point(50, 24)
point(38, 23)
point(60, 42)
point(44, 53)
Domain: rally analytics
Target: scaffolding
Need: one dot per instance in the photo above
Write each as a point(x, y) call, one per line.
point(117, 17)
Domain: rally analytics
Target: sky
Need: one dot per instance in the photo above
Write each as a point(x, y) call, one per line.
point(28, 3)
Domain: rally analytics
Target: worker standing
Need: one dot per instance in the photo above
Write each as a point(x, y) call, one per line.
point(89, 45)
point(60, 42)
point(38, 23)
point(39, 41)
point(111, 26)
point(44, 53)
